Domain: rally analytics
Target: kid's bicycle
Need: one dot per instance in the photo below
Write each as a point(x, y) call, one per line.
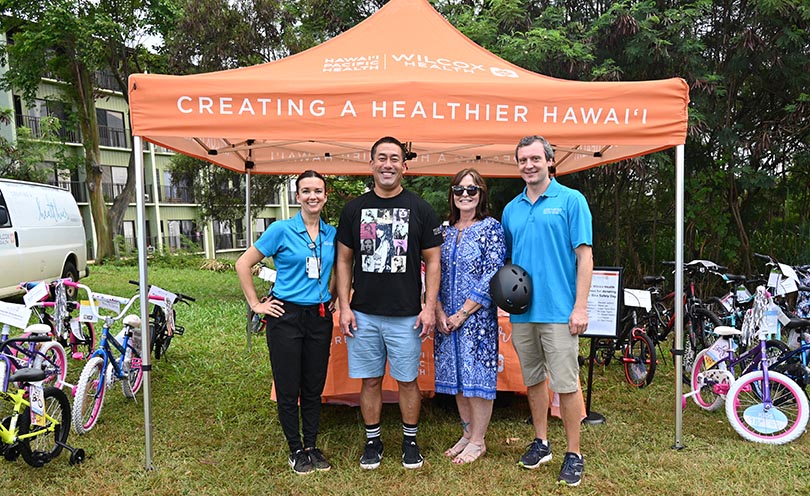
point(73, 334)
point(34, 418)
point(163, 318)
point(762, 405)
point(112, 361)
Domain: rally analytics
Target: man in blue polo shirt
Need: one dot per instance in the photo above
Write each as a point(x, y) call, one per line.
point(549, 233)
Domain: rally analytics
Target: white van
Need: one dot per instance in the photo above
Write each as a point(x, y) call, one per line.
point(41, 235)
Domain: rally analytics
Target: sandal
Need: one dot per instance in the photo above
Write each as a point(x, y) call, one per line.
point(457, 448)
point(471, 453)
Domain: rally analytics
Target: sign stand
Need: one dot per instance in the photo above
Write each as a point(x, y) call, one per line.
point(591, 417)
point(603, 321)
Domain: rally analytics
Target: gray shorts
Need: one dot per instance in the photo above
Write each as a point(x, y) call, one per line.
point(547, 349)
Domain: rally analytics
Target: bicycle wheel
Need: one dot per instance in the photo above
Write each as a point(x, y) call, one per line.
point(704, 379)
point(53, 360)
point(781, 423)
point(83, 342)
point(89, 398)
point(774, 349)
point(639, 359)
point(133, 373)
point(258, 322)
point(604, 351)
point(39, 450)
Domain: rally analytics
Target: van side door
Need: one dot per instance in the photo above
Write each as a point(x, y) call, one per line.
point(10, 263)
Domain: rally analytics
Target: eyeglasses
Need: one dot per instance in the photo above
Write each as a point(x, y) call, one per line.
point(471, 190)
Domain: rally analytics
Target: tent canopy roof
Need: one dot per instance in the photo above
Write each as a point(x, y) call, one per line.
point(405, 72)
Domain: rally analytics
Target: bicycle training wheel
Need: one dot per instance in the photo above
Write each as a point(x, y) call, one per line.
point(704, 379)
point(89, 398)
point(780, 423)
point(639, 359)
point(40, 449)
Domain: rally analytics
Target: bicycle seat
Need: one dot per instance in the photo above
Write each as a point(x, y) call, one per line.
point(727, 331)
point(132, 321)
point(649, 280)
point(28, 374)
point(38, 329)
point(796, 323)
point(734, 278)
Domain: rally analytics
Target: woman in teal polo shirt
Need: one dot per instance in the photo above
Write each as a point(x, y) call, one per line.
point(299, 316)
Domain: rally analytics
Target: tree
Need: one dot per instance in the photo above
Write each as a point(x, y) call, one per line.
point(220, 192)
point(70, 41)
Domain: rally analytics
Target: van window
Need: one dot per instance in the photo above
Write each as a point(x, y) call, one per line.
point(4, 219)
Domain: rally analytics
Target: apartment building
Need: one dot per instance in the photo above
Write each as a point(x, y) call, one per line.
point(172, 223)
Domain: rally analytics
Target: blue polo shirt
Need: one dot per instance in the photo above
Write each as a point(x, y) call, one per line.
point(288, 243)
point(541, 238)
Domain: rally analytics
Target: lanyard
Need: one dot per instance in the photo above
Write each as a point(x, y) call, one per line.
point(318, 243)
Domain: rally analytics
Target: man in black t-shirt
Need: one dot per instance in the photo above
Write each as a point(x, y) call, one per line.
point(385, 319)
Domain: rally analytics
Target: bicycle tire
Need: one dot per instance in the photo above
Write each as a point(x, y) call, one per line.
point(158, 339)
point(639, 359)
point(53, 360)
point(604, 351)
point(37, 451)
point(87, 344)
point(783, 423)
point(90, 392)
point(706, 397)
point(133, 373)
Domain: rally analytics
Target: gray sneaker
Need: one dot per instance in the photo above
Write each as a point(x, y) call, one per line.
point(318, 460)
point(537, 454)
point(300, 463)
point(372, 455)
point(572, 468)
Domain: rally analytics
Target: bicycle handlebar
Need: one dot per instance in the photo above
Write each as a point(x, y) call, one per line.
point(184, 298)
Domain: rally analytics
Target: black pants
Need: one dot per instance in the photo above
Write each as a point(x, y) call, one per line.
point(299, 344)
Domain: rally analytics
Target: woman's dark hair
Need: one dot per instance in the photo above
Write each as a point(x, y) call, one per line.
point(482, 209)
point(306, 174)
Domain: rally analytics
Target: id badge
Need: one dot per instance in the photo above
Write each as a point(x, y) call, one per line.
point(313, 264)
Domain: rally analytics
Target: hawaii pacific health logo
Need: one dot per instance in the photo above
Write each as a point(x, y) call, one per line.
point(378, 62)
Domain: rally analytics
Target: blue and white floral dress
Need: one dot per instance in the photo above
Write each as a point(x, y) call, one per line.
point(466, 360)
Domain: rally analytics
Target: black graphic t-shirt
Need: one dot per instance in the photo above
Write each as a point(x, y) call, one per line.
point(388, 236)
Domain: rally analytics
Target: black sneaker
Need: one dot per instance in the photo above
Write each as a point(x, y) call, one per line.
point(411, 457)
point(571, 471)
point(300, 463)
point(537, 454)
point(318, 460)
point(372, 455)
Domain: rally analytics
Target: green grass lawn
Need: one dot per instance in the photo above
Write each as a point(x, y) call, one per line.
point(215, 429)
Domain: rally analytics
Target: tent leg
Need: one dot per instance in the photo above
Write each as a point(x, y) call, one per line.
point(679, 217)
point(144, 301)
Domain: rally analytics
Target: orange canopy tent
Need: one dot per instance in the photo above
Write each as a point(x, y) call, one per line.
point(405, 72)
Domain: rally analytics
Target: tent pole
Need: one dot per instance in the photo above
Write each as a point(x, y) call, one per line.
point(144, 300)
point(678, 302)
point(248, 244)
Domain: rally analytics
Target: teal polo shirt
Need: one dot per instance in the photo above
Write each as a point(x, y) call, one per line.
point(288, 243)
point(541, 238)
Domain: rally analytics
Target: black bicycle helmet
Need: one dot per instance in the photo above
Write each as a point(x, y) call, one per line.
point(511, 289)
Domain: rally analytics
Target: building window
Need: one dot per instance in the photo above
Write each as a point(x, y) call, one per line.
point(111, 129)
point(31, 116)
point(183, 235)
point(113, 180)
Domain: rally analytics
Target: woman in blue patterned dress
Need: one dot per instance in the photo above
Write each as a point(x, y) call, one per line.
point(466, 346)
